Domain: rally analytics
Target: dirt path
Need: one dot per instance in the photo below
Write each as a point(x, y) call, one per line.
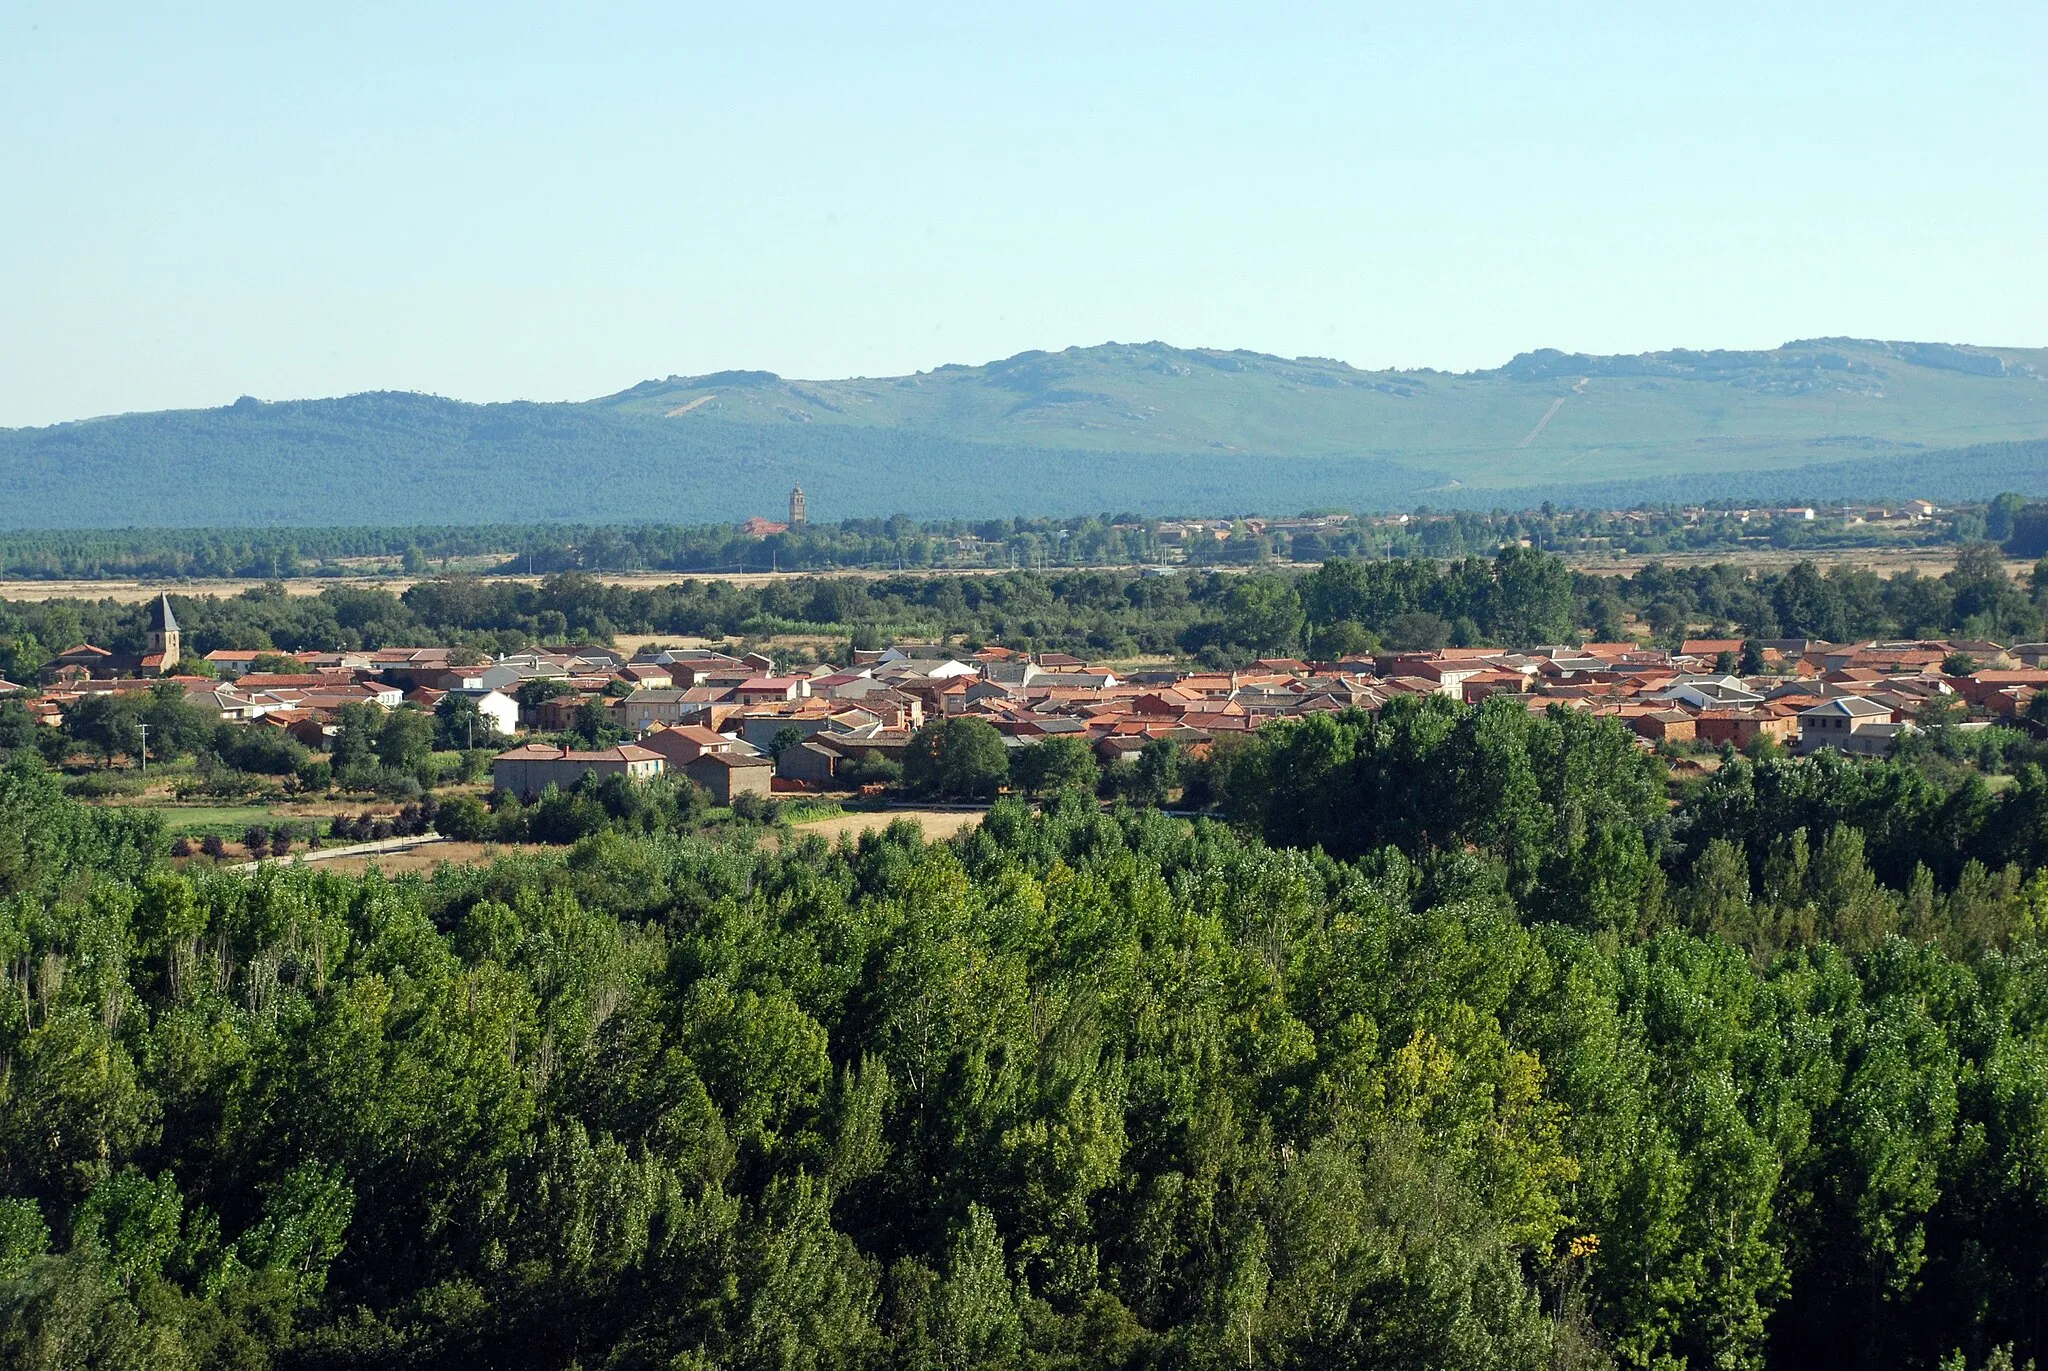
point(423, 859)
point(1544, 422)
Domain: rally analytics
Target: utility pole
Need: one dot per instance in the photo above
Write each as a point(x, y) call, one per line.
point(143, 752)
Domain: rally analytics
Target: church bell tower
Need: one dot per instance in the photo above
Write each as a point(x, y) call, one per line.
point(163, 635)
point(797, 516)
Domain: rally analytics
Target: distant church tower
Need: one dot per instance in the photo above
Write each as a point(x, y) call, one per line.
point(163, 635)
point(797, 517)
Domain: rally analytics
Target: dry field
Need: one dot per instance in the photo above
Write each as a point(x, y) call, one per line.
point(423, 859)
point(1932, 561)
point(936, 823)
point(131, 592)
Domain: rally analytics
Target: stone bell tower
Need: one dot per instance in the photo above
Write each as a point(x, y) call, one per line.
point(163, 635)
point(797, 516)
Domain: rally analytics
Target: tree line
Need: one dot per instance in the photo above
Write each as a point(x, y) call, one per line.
point(1518, 597)
point(1112, 539)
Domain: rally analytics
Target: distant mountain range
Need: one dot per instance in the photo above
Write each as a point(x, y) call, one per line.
point(1145, 428)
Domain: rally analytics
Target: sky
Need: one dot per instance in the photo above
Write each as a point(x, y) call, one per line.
point(500, 201)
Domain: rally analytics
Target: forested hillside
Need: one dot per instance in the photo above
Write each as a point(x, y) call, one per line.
point(1149, 428)
point(1517, 1067)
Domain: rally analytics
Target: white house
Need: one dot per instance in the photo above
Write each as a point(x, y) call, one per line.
point(501, 709)
point(1707, 692)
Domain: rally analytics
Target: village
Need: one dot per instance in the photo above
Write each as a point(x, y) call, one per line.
point(738, 726)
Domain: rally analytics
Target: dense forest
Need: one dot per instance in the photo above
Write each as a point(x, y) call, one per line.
point(1519, 597)
point(1459, 1046)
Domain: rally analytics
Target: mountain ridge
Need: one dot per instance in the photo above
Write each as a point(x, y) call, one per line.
point(1143, 426)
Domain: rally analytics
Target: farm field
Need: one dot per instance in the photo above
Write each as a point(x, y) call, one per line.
point(937, 823)
point(1928, 561)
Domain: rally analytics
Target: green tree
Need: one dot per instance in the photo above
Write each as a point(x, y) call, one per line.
point(105, 723)
point(1531, 598)
point(1263, 613)
point(539, 690)
point(22, 660)
point(458, 722)
point(1055, 764)
point(2001, 515)
point(957, 758)
point(977, 1320)
point(1156, 772)
point(356, 736)
point(593, 726)
point(177, 727)
point(405, 739)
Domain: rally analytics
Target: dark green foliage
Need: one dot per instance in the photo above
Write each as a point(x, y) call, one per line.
point(1516, 597)
point(405, 739)
point(1053, 765)
point(265, 751)
point(869, 767)
point(956, 759)
point(1569, 806)
point(464, 818)
point(1077, 1089)
point(458, 722)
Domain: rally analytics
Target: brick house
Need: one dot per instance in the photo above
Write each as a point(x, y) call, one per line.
point(728, 774)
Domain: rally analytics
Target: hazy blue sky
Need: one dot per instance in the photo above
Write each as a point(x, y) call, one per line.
point(502, 200)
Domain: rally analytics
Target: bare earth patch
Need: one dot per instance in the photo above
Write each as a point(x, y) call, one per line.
point(936, 823)
point(423, 859)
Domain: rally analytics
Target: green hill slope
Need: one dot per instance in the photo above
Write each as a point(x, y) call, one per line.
point(1141, 427)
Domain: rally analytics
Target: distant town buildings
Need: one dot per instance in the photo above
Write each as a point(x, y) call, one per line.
point(738, 724)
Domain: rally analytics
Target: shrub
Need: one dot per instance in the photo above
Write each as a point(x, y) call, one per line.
point(101, 785)
point(869, 767)
point(754, 808)
point(281, 840)
point(464, 818)
point(258, 748)
point(256, 838)
point(565, 816)
point(181, 847)
point(213, 846)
